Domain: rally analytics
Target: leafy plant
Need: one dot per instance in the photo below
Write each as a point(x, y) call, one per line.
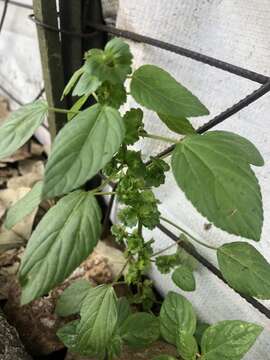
point(213, 170)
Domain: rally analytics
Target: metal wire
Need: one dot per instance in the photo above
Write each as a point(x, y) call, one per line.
point(4, 13)
point(255, 303)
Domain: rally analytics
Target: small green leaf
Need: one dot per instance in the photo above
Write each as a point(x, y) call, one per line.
point(229, 340)
point(179, 125)
point(183, 278)
point(24, 206)
point(176, 314)
point(113, 64)
point(124, 311)
point(86, 85)
point(245, 269)
point(133, 123)
point(70, 301)
point(20, 126)
point(200, 329)
point(76, 107)
point(65, 236)
point(140, 330)
point(68, 335)
point(98, 320)
point(213, 171)
point(74, 78)
point(186, 346)
point(82, 148)
point(113, 95)
point(157, 90)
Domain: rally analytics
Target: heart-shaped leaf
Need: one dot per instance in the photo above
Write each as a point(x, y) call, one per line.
point(65, 237)
point(213, 171)
point(20, 126)
point(229, 340)
point(245, 269)
point(83, 147)
point(179, 125)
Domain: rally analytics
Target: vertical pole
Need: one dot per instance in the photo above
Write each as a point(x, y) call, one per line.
point(51, 59)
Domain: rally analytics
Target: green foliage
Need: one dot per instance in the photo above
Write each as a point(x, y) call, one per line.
point(70, 301)
point(183, 277)
point(179, 125)
point(140, 330)
point(157, 90)
point(229, 340)
point(245, 269)
point(70, 229)
point(214, 172)
point(24, 206)
point(20, 126)
point(176, 315)
point(92, 137)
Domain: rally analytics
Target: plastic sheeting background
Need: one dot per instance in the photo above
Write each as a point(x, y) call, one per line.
point(233, 31)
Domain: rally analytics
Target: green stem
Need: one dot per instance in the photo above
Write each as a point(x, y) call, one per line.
point(167, 248)
point(186, 233)
point(162, 138)
point(95, 96)
point(63, 111)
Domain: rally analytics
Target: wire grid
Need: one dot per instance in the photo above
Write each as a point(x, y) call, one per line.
point(233, 69)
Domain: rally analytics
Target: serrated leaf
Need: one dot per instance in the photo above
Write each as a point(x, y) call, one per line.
point(124, 311)
point(74, 78)
point(86, 85)
point(133, 122)
point(186, 346)
point(157, 90)
point(113, 64)
point(98, 320)
point(179, 125)
point(66, 235)
point(24, 206)
point(245, 269)
point(214, 172)
point(20, 126)
point(70, 301)
point(229, 340)
point(140, 330)
point(183, 278)
point(113, 95)
point(176, 314)
point(83, 147)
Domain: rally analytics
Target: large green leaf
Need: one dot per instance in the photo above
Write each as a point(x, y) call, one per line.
point(157, 90)
point(213, 171)
point(124, 311)
point(24, 206)
point(229, 340)
point(186, 346)
point(176, 315)
point(70, 301)
point(180, 125)
point(20, 126)
point(98, 320)
point(183, 277)
point(245, 269)
point(140, 330)
point(82, 148)
point(65, 236)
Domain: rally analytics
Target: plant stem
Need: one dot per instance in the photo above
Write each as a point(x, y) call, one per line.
point(189, 235)
point(167, 248)
point(95, 96)
point(162, 138)
point(63, 111)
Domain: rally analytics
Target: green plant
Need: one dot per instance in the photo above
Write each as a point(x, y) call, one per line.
point(212, 169)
